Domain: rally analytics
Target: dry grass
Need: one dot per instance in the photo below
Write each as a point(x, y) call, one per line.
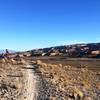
point(16, 83)
point(68, 82)
point(57, 81)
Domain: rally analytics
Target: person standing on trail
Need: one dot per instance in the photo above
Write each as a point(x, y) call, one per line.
point(7, 51)
point(7, 54)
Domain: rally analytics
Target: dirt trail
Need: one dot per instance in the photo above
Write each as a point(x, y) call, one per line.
point(30, 85)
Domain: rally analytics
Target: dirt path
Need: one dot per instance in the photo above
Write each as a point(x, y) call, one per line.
point(31, 84)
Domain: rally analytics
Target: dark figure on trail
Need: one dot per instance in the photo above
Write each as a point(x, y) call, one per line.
point(7, 54)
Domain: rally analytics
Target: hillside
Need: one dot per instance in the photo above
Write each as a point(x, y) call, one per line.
point(91, 50)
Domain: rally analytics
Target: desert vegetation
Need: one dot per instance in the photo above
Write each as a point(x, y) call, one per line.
point(16, 82)
point(25, 77)
point(67, 82)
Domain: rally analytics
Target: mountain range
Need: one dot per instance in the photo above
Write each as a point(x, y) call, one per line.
point(74, 50)
point(4, 51)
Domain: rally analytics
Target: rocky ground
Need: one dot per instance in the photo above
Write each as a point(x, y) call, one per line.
point(36, 80)
point(67, 83)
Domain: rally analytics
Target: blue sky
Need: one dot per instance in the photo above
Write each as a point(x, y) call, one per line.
point(28, 24)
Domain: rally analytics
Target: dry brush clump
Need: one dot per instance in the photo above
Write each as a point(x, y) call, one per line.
point(10, 81)
point(67, 82)
point(12, 61)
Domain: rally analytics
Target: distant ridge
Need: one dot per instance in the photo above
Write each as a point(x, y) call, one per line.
point(4, 51)
point(82, 50)
point(91, 50)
